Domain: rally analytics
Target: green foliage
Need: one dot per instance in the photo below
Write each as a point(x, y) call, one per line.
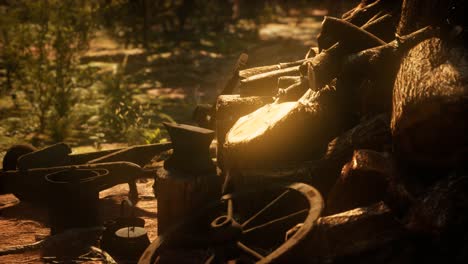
point(45, 39)
point(121, 117)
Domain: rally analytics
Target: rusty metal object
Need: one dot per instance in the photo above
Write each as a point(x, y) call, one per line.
point(12, 155)
point(214, 235)
point(31, 184)
point(125, 237)
point(71, 203)
point(28, 181)
point(191, 149)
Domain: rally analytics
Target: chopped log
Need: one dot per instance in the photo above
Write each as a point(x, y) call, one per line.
point(367, 77)
point(284, 131)
point(353, 234)
point(430, 102)
point(229, 108)
point(363, 181)
point(326, 64)
point(322, 173)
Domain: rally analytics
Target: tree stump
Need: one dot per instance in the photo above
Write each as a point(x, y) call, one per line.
point(179, 196)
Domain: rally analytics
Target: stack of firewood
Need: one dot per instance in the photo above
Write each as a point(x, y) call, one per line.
point(376, 118)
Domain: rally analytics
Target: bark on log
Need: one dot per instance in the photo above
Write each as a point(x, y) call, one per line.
point(353, 234)
point(363, 181)
point(179, 196)
point(416, 14)
point(367, 77)
point(430, 106)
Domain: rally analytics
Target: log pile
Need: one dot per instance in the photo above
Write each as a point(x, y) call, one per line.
point(376, 114)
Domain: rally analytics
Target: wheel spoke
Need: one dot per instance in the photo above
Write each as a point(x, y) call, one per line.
point(276, 220)
point(249, 251)
point(210, 259)
point(264, 208)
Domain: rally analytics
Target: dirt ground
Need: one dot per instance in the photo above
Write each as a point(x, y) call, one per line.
point(22, 223)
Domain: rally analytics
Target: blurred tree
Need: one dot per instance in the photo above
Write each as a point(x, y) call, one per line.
point(45, 45)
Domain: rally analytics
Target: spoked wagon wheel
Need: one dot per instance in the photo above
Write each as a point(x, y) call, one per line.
point(247, 227)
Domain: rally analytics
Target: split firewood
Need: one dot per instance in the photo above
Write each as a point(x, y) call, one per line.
point(430, 106)
point(356, 234)
point(367, 77)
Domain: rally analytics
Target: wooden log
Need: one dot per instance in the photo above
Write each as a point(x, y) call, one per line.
point(264, 84)
point(367, 77)
point(322, 173)
point(326, 64)
point(229, 108)
point(430, 107)
point(331, 32)
point(286, 81)
point(351, 235)
point(180, 196)
point(263, 69)
point(363, 181)
point(284, 131)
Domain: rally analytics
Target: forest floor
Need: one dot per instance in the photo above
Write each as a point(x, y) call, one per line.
point(179, 78)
